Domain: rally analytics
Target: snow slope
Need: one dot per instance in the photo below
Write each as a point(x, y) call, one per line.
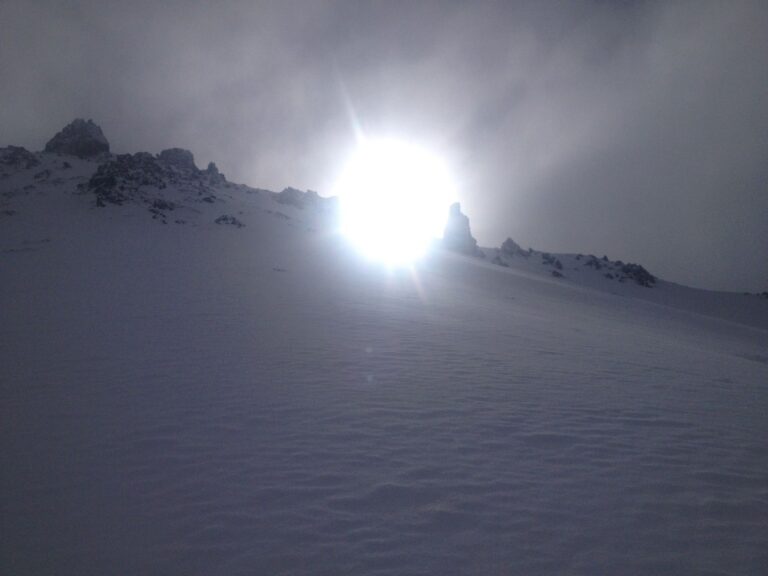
point(207, 399)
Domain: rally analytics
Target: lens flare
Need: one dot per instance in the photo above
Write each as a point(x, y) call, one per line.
point(394, 200)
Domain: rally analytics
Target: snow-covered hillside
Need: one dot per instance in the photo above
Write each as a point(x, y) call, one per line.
point(198, 377)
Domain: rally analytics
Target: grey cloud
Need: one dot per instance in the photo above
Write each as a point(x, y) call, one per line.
point(636, 129)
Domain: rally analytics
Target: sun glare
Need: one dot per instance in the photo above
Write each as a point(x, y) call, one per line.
point(394, 200)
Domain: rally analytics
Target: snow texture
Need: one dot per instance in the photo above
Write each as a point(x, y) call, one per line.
point(193, 398)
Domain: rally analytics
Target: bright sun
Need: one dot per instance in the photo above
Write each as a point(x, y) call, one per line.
point(394, 199)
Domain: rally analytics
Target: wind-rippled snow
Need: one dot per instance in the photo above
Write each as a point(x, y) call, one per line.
point(206, 400)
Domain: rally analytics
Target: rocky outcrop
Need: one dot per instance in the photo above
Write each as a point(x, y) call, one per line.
point(310, 200)
point(620, 271)
point(214, 177)
point(291, 197)
point(229, 220)
point(178, 158)
point(637, 273)
point(298, 198)
point(117, 181)
point(18, 158)
point(81, 138)
point(457, 236)
point(510, 248)
point(143, 178)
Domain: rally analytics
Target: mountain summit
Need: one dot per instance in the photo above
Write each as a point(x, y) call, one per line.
point(81, 138)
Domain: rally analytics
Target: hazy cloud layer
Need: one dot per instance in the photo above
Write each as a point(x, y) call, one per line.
point(636, 129)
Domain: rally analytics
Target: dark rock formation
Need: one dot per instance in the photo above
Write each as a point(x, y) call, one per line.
point(621, 271)
point(510, 247)
point(213, 175)
point(593, 262)
point(457, 235)
point(639, 274)
point(18, 158)
point(146, 179)
point(547, 258)
point(309, 200)
point(81, 138)
point(297, 198)
point(116, 181)
point(291, 197)
point(229, 220)
point(179, 158)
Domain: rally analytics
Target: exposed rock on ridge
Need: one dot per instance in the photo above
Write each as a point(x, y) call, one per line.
point(17, 157)
point(457, 235)
point(81, 138)
point(309, 200)
point(617, 271)
point(178, 157)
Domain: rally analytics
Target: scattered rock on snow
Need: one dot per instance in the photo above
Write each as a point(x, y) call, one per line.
point(230, 220)
point(593, 262)
point(161, 204)
point(547, 258)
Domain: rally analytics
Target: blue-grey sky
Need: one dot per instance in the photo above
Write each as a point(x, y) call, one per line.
point(633, 129)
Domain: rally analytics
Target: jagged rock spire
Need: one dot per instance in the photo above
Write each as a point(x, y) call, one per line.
point(458, 236)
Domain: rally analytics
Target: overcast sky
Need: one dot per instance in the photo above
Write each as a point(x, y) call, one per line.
point(633, 129)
